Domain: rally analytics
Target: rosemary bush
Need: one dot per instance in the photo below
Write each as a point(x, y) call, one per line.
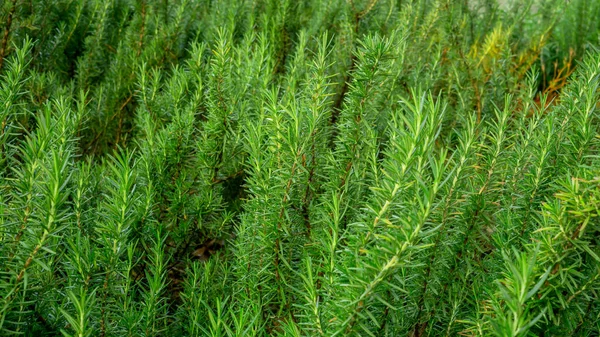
point(299, 168)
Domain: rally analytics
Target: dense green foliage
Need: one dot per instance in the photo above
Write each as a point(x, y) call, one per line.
point(299, 168)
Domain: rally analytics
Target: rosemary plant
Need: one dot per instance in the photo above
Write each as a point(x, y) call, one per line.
point(299, 168)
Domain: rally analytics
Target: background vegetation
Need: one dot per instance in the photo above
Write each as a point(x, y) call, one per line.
point(299, 168)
